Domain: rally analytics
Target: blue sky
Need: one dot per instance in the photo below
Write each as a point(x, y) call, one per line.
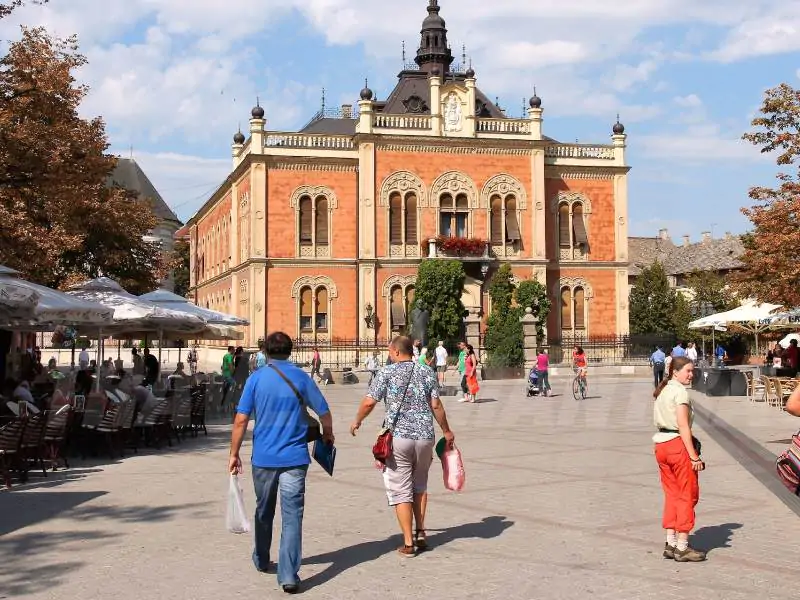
point(175, 78)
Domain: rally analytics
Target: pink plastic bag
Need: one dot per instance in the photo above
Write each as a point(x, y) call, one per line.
point(453, 469)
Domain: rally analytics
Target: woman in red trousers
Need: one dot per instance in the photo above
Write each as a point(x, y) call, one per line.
point(678, 460)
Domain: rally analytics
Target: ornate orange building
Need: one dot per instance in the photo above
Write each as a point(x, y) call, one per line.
point(320, 232)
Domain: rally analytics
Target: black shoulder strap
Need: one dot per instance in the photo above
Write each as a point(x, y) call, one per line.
point(288, 382)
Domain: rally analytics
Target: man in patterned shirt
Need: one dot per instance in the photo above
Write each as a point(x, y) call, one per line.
point(410, 394)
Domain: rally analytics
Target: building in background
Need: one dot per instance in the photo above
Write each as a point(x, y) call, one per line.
point(128, 174)
point(320, 232)
point(715, 255)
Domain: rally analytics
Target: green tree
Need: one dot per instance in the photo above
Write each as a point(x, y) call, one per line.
point(440, 285)
point(652, 302)
point(180, 267)
point(504, 334)
point(531, 293)
point(711, 292)
point(681, 317)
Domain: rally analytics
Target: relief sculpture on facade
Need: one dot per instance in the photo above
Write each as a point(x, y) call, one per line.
point(452, 112)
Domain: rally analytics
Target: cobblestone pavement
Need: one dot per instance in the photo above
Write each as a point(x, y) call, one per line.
point(562, 501)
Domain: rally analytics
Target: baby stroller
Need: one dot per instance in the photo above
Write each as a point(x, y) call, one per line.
point(533, 382)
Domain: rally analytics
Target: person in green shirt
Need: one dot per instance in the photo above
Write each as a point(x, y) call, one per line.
point(462, 366)
point(227, 373)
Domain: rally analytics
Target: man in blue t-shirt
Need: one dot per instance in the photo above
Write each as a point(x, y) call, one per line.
point(280, 453)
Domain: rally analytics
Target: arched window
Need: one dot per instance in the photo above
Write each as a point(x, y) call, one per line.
point(321, 221)
point(579, 308)
point(566, 308)
point(395, 219)
point(398, 309)
point(402, 194)
point(573, 236)
point(313, 297)
point(411, 218)
point(306, 222)
point(504, 221)
point(402, 218)
point(313, 207)
point(575, 294)
point(306, 309)
point(453, 215)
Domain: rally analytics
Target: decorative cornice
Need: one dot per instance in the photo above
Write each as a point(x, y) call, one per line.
point(314, 166)
point(403, 181)
point(583, 173)
point(418, 148)
point(314, 191)
point(402, 280)
point(503, 185)
point(314, 283)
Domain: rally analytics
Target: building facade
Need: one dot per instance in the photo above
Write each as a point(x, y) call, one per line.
point(320, 232)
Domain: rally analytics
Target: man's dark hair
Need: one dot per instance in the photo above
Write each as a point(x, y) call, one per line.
point(230, 349)
point(404, 345)
point(278, 345)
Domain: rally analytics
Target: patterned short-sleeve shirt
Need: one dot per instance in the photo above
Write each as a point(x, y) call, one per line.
point(415, 420)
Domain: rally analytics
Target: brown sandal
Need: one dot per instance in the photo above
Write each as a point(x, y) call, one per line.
point(407, 551)
point(420, 541)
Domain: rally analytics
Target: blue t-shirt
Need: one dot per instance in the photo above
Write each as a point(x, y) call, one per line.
point(678, 351)
point(279, 435)
point(720, 352)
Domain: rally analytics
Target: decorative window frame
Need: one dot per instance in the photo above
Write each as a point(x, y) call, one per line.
point(455, 183)
point(314, 192)
point(404, 282)
point(573, 253)
point(504, 185)
point(314, 282)
point(573, 283)
point(403, 182)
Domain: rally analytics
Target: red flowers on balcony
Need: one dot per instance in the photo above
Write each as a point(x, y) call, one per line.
point(458, 246)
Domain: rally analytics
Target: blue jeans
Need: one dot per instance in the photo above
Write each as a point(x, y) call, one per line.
point(291, 483)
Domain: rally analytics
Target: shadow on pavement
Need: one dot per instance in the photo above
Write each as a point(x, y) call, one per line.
point(485, 400)
point(715, 536)
point(346, 558)
point(25, 567)
point(23, 510)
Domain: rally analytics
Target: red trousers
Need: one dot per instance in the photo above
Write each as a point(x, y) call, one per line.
point(680, 484)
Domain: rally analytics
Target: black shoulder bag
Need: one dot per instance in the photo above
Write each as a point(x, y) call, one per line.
point(314, 431)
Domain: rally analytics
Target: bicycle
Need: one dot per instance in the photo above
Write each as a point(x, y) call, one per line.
point(579, 386)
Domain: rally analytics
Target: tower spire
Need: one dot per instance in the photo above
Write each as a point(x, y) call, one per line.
point(434, 51)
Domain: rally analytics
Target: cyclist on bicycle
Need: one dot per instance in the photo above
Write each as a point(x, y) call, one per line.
point(579, 363)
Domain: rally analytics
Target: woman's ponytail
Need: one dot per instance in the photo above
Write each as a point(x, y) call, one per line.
point(676, 364)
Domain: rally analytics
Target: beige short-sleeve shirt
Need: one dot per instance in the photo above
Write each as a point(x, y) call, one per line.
point(665, 410)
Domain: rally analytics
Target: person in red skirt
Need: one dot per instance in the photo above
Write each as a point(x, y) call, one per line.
point(678, 454)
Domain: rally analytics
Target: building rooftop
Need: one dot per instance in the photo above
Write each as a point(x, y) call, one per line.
point(709, 254)
point(129, 175)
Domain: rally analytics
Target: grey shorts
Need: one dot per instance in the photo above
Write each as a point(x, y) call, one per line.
point(406, 471)
point(442, 368)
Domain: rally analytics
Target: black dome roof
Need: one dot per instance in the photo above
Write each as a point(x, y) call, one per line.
point(618, 128)
point(535, 101)
point(257, 112)
point(238, 138)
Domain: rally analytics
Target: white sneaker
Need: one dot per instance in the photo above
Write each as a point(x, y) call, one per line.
point(462, 399)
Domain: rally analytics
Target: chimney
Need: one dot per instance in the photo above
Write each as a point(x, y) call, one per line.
point(686, 241)
point(347, 111)
point(728, 235)
point(663, 234)
point(706, 235)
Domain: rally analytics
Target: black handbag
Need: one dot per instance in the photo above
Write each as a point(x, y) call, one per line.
point(314, 431)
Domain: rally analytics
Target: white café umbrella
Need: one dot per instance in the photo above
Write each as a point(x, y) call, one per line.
point(134, 316)
point(785, 342)
point(789, 319)
point(28, 306)
point(167, 299)
point(752, 317)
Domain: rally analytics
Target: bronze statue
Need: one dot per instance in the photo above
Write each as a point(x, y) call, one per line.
point(420, 316)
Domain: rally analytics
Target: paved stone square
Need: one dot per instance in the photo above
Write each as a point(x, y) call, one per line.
point(562, 501)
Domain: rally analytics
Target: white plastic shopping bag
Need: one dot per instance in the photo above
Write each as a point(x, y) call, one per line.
point(453, 469)
point(236, 519)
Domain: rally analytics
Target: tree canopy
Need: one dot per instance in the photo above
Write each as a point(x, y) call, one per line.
point(439, 287)
point(504, 341)
point(652, 302)
point(770, 271)
point(533, 294)
point(59, 220)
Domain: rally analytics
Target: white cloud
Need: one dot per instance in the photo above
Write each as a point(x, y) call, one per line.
point(627, 76)
point(702, 144)
point(690, 101)
point(776, 32)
